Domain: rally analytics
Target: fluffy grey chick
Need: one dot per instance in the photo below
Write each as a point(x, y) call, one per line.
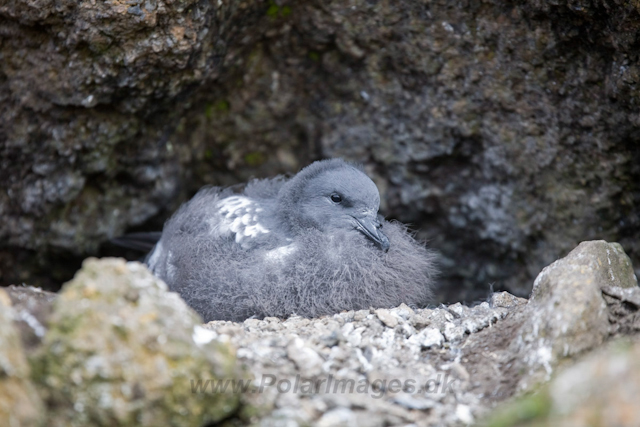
point(311, 245)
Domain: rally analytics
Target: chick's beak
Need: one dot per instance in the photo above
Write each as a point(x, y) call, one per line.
point(370, 227)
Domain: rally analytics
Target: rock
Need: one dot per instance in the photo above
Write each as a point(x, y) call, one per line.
point(624, 308)
point(20, 404)
point(403, 311)
point(506, 300)
point(123, 350)
point(463, 412)
point(452, 332)
point(32, 308)
point(339, 417)
point(566, 313)
point(501, 132)
point(305, 358)
point(458, 309)
point(428, 337)
point(600, 389)
point(386, 317)
point(597, 262)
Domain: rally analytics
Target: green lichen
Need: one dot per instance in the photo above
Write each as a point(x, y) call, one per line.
point(254, 159)
point(524, 411)
point(221, 106)
point(274, 10)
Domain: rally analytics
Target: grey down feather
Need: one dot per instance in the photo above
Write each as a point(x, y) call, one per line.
point(310, 245)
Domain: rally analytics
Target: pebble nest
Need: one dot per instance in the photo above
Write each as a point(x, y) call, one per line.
point(368, 367)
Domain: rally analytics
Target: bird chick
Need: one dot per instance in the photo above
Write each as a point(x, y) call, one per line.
point(311, 245)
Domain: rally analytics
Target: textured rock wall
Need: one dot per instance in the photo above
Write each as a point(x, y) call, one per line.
point(505, 131)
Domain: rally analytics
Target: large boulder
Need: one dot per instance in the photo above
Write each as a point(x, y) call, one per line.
point(567, 313)
point(122, 350)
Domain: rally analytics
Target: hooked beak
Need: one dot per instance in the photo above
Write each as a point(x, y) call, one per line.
point(370, 227)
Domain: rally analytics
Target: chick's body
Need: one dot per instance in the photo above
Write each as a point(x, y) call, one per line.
point(311, 245)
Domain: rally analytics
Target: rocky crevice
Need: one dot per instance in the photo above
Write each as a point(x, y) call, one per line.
point(504, 132)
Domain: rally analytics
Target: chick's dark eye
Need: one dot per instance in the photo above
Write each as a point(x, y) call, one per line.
point(336, 198)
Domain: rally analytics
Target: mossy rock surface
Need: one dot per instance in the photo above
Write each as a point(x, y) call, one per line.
point(122, 350)
point(600, 390)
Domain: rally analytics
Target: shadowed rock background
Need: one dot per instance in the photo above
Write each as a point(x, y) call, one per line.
point(506, 132)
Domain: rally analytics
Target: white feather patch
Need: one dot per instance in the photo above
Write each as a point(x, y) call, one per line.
point(239, 216)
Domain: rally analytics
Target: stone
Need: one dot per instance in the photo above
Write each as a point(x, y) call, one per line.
point(452, 332)
point(122, 349)
point(306, 359)
point(567, 314)
point(600, 389)
point(20, 403)
point(404, 311)
point(339, 417)
point(506, 300)
point(32, 308)
point(597, 262)
point(387, 317)
point(624, 308)
point(428, 337)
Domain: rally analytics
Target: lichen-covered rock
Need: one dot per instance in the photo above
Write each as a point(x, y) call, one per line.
point(566, 317)
point(567, 313)
point(20, 404)
point(599, 263)
point(600, 390)
point(122, 350)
